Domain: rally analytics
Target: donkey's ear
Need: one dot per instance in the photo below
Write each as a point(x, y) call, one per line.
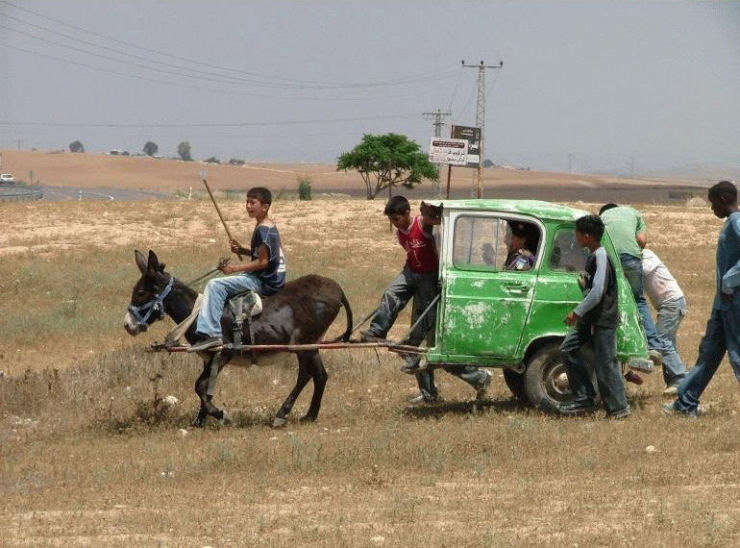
point(153, 264)
point(140, 260)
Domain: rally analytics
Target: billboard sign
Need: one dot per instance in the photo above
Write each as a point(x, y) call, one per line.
point(453, 152)
point(472, 136)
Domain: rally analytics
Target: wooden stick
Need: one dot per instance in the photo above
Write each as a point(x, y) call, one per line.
point(226, 228)
point(393, 347)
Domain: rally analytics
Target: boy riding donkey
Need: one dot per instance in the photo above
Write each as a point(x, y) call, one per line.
point(264, 274)
point(418, 279)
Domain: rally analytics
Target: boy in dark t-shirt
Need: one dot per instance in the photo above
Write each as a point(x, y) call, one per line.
point(595, 319)
point(264, 274)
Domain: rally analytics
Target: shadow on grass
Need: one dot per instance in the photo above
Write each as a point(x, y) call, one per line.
point(442, 409)
point(151, 416)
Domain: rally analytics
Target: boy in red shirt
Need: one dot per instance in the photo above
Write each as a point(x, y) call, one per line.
point(419, 278)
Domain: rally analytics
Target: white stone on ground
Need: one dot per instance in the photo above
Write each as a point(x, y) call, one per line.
point(170, 401)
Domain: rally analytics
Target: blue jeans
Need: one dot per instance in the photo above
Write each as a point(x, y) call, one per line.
point(215, 295)
point(606, 366)
point(670, 315)
point(395, 298)
point(423, 288)
point(673, 367)
point(472, 375)
point(632, 267)
point(722, 336)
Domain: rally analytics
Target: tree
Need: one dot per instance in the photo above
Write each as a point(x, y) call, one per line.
point(150, 148)
point(76, 146)
point(385, 161)
point(488, 163)
point(183, 149)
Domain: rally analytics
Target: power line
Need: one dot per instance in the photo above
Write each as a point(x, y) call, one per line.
point(454, 91)
point(211, 124)
point(427, 76)
point(204, 88)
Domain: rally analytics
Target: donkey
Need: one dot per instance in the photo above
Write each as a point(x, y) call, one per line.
point(299, 314)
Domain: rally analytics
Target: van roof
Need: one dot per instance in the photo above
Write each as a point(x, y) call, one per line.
point(536, 208)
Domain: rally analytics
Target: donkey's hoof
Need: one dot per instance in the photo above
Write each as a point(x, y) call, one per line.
point(308, 418)
point(279, 422)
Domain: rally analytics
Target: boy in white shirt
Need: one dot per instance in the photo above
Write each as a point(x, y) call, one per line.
point(668, 299)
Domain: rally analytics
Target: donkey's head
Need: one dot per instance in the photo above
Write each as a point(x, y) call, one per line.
point(147, 298)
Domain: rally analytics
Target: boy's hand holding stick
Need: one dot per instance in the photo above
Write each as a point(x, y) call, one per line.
point(226, 228)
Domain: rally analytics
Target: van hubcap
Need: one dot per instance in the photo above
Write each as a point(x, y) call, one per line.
point(556, 382)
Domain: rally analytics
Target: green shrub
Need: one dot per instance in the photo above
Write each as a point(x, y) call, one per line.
point(304, 188)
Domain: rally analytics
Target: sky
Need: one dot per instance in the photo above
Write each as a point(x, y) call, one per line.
point(585, 85)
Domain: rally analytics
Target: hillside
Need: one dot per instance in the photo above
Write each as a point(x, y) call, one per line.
point(90, 171)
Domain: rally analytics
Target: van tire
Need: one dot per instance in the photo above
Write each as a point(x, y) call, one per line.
point(545, 379)
point(515, 382)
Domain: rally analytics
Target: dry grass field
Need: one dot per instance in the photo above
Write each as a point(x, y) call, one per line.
point(90, 455)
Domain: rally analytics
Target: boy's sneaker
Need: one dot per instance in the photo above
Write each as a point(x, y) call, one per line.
point(618, 415)
point(670, 409)
point(367, 336)
point(421, 399)
point(577, 407)
point(633, 377)
point(671, 389)
point(206, 344)
point(656, 357)
point(482, 392)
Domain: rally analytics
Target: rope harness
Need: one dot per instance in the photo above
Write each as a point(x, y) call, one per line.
point(153, 306)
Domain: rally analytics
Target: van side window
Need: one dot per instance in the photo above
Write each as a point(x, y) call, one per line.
point(566, 256)
point(483, 243)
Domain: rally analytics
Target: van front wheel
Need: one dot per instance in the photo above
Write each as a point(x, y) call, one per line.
point(546, 380)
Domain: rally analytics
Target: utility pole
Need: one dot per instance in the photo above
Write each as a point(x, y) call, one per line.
point(480, 111)
point(438, 123)
point(437, 117)
point(19, 141)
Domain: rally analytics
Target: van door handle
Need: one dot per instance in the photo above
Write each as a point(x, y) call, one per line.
point(516, 287)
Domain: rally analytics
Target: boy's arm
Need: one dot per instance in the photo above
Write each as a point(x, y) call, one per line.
point(593, 297)
point(237, 249)
point(260, 263)
point(731, 279)
point(641, 231)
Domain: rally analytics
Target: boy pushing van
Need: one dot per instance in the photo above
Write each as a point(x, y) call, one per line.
point(595, 319)
point(419, 278)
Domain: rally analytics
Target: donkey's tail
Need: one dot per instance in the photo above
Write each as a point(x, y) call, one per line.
point(348, 311)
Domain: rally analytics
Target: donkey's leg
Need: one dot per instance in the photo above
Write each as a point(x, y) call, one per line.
point(320, 376)
point(201, 388)
point(304, 375)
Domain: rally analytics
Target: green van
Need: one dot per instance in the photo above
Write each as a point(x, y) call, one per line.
point(492, 317)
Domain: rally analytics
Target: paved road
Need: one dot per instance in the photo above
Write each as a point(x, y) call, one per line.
point(59, 193)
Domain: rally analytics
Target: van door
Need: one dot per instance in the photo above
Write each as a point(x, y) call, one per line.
point(485, 306)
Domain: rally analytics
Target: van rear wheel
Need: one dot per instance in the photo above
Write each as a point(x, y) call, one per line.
point(546, 379)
